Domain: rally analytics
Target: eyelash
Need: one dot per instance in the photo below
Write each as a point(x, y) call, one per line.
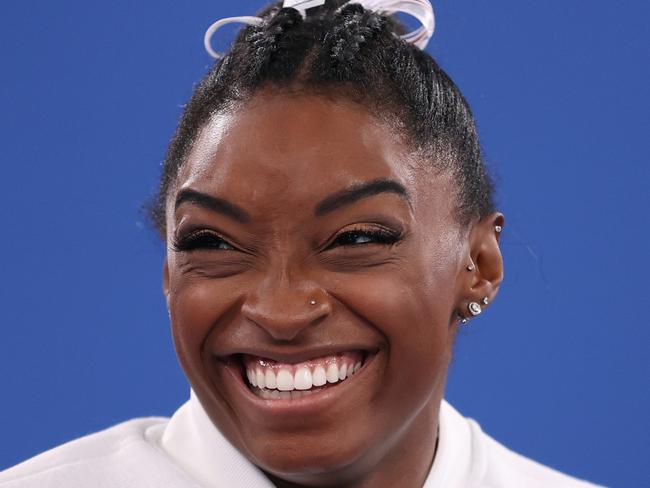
point(206, 239)
point(200, 239)
point(375, 236)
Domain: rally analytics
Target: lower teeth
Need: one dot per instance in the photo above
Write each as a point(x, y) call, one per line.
point(279, 395)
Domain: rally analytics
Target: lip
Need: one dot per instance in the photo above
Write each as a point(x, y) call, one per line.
point(297, 356)
point(310, 404)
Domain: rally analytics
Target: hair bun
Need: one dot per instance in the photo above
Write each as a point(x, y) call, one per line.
point(284, 19)
point(272, 29)
point(352, 9)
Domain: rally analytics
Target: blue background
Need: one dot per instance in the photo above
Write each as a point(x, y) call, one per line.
point(557, 369)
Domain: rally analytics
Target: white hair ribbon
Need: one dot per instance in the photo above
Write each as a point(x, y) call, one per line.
point(420, 9)
point(302, 5)
point(207, 39)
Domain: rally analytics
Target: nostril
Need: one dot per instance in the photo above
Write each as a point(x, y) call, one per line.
point(319, 320)
point(284, 317)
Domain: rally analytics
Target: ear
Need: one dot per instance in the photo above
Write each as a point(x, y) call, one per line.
point(165, 281)
point(484, 269)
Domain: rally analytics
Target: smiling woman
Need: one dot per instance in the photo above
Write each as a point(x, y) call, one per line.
point(329, 225)
point(303, 315)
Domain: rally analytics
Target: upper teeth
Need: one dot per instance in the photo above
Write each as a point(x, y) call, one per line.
point(289, 377)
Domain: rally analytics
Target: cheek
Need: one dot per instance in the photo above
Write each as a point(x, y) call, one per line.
point(195, 305)
point(411, 308)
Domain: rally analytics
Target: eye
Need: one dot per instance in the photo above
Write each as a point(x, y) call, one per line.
point(201, 239)
point(365, 236)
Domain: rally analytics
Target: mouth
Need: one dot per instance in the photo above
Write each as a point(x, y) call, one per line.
point(275, 380)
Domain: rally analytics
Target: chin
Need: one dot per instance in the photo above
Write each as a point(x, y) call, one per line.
point(313, 461)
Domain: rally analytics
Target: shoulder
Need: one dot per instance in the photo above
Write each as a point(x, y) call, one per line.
point(117, 456)
point(506, 469)
point(495, 466)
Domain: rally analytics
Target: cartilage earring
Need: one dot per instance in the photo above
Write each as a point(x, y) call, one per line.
point(486, 301)
point(498, 229)
point(461, 319)
point(474, 308)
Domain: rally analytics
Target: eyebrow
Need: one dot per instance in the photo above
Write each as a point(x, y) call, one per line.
point(355, 193)
point(215, 204)
point(333, 202)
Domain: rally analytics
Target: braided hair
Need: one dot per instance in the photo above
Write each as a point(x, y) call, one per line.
point(343, 51)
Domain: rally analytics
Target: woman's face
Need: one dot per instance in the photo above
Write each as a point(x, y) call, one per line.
point(302, 239)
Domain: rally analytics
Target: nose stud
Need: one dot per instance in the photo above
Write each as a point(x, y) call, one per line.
point(312, 302)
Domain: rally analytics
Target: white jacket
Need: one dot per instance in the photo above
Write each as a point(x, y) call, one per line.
point(187, 451)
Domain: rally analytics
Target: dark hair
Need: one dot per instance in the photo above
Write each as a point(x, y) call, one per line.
point(344, 52)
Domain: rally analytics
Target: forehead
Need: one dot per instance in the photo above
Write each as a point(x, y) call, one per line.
point(293, 149)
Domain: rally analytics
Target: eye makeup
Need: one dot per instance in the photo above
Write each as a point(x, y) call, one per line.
point(206, 239)
point(202, 239)
point(360, 236)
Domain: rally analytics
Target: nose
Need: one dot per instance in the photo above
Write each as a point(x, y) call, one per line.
point(285, 309)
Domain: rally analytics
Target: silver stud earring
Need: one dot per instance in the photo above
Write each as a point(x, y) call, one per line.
point(470, 266)
point(312, 302)
point(474, 308)
point(486, 301)
point(464, 321)
point(498, 229)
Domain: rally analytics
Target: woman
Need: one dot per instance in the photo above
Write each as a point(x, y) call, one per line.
point(330, 225)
